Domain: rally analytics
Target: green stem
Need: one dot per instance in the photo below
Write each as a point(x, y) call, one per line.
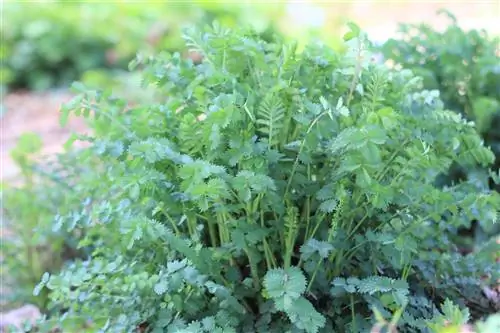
point(378, 178)
point(391, 159)
point(191, 222)
point(267, 255)
point(313, 276)
point(406, 271)
point(270, 260)
point(357, 70)
point(220, 224)
point(288, 250)
point(353, 314)
point(358, 225)
point(253, 269)
point(290, 235)
point(338, 260)
point(296, 162)
point(213, 234)
point(280, 231)
point(335, 221)
point(222, 219)
point(112, 119)
point(320, 220)
point(307, 207)
point(172, 222)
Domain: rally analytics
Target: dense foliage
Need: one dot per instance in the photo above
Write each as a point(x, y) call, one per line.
point(274, 191)
point(30, 246)
point(52, 43)
point(465, 69)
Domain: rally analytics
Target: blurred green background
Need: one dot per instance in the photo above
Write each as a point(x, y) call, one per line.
point(47, 44)
point(51, 43)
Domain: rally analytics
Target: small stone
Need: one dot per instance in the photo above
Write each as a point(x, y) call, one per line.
point(17, 317)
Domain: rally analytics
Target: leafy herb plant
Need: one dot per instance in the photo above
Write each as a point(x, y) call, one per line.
point(465, 69)
point(272, 191)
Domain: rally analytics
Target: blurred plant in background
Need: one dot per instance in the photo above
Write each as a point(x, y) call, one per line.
point(464, 65)
point(31, 246)
point(52, 43)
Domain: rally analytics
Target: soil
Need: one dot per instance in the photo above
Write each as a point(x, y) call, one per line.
point(37, 113)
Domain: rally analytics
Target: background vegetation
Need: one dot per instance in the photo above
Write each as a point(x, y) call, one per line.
point(51, 44)
point(466, 71)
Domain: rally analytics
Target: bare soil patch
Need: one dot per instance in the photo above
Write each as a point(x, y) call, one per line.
point(37, 113)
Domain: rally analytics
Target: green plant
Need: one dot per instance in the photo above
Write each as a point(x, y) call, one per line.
point(490, 325)
point(49, 44)
point(452, 319)
point(52, 43)
point(30, 246)
point(272, 191)
point(464, 67)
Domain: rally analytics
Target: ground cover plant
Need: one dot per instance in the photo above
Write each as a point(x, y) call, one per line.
point(466, 71)
point(274, 191)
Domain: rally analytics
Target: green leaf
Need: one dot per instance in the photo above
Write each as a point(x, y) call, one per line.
point(328, 206)
point(349, 138)
point(363, 179)
point(353, 33)
point(78, 87)
point(270, 118)
point(161, 287)
point(289, 282)
point(314, 246)
point(371, 153)
point(134, 191)
point(303, 315)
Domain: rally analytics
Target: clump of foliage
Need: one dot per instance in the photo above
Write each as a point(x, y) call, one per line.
point(453, 319)
point(30, 246)
point(464, 67)
point(52, 43)
point(273, 191)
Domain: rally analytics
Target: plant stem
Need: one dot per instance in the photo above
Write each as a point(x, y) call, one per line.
point(270, 260)
point(213, 233)
point(172, 222)
point(253, 269)
point(357, 70)
point(307, 210)
point(296, 162)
